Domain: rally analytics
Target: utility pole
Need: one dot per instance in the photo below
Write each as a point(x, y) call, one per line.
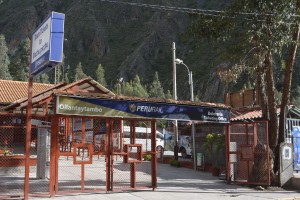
point(193, 123)
point(190, 75)
point(55, 75)
point(175, 127)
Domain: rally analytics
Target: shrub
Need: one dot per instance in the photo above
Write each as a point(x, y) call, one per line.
point(175, 163)
point(214, 143)
point(147, 157)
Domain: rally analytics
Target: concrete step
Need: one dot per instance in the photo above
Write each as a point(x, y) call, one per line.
point(296, 181)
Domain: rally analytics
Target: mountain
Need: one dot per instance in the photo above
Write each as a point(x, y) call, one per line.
point(126, 38)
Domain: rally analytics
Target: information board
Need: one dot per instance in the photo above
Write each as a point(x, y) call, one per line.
point(47, 44)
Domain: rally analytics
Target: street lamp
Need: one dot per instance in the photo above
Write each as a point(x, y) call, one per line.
point(119, 82)
point(190, 75)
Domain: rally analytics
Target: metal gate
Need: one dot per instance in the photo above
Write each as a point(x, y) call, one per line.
point(13, 155)
point(94, 155)
point(289, 128)
point(248, 151)
point(75, 155)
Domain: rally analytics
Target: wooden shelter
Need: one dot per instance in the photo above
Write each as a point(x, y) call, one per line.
point(77, 128)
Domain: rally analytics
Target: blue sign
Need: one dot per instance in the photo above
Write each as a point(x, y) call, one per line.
point(47, 44)
point(296, 144)
point(140, 109)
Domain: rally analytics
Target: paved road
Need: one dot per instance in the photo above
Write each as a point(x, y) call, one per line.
point(182, 183)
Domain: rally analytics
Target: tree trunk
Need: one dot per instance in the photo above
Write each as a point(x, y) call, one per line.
point(261, 90)
point(273, 124)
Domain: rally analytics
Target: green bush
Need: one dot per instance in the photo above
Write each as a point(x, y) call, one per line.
point(175, 163)
point(147, 157)
point(214, 143)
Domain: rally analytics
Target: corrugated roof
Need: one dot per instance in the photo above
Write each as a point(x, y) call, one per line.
point(11, 91)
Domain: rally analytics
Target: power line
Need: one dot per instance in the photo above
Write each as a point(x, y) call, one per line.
point(203, 12)
point(213, 13)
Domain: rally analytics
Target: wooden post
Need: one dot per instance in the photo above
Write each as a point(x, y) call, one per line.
point(154, 157)
point(108, 153)
point(227, 134)
point(53, 183)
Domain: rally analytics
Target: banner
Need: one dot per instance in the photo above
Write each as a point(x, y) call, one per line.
point(137, 109)
point(296, 144)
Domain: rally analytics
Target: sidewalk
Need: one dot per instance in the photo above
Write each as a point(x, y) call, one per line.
point(182, 183)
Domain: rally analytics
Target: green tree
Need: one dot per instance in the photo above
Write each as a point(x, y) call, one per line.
point(100, 75)
point(272, 29)
point(66, 74)
point(79, 74)
point(286, 93)
point(126, 89)
point(138, 89)
point(44, 78)
point(19, 67)
point(4, 60)
point(132, 88)
point(296, 98)
point(59, 73)
point(168, 95)
point(155, 88)
point(255, 32)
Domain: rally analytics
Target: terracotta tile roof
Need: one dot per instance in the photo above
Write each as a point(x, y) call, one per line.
point(84, 88)
point(11, 91)
point(85, 85)
point(157, 100)
point(247, 114)
point(91, 85)
point(105, 93)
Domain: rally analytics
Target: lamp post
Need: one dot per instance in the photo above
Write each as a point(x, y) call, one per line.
point(119, 82)
point(178, 61)
point(190, 75)
point(175, 128)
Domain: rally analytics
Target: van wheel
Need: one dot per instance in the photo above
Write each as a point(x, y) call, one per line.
point(159, 154)
point(183, 152)
point(162, 149)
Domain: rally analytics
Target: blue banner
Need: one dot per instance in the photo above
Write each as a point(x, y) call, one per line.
point(137, 109)
point(296, 144)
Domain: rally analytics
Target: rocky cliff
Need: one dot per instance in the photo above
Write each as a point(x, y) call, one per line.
point(126, 39)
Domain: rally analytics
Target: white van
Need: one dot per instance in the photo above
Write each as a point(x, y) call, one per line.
point(184, 144)
point(143, 136)
point(185, 147)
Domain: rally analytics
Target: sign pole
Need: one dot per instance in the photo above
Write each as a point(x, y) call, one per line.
point(28, 138)
point(46, 53)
